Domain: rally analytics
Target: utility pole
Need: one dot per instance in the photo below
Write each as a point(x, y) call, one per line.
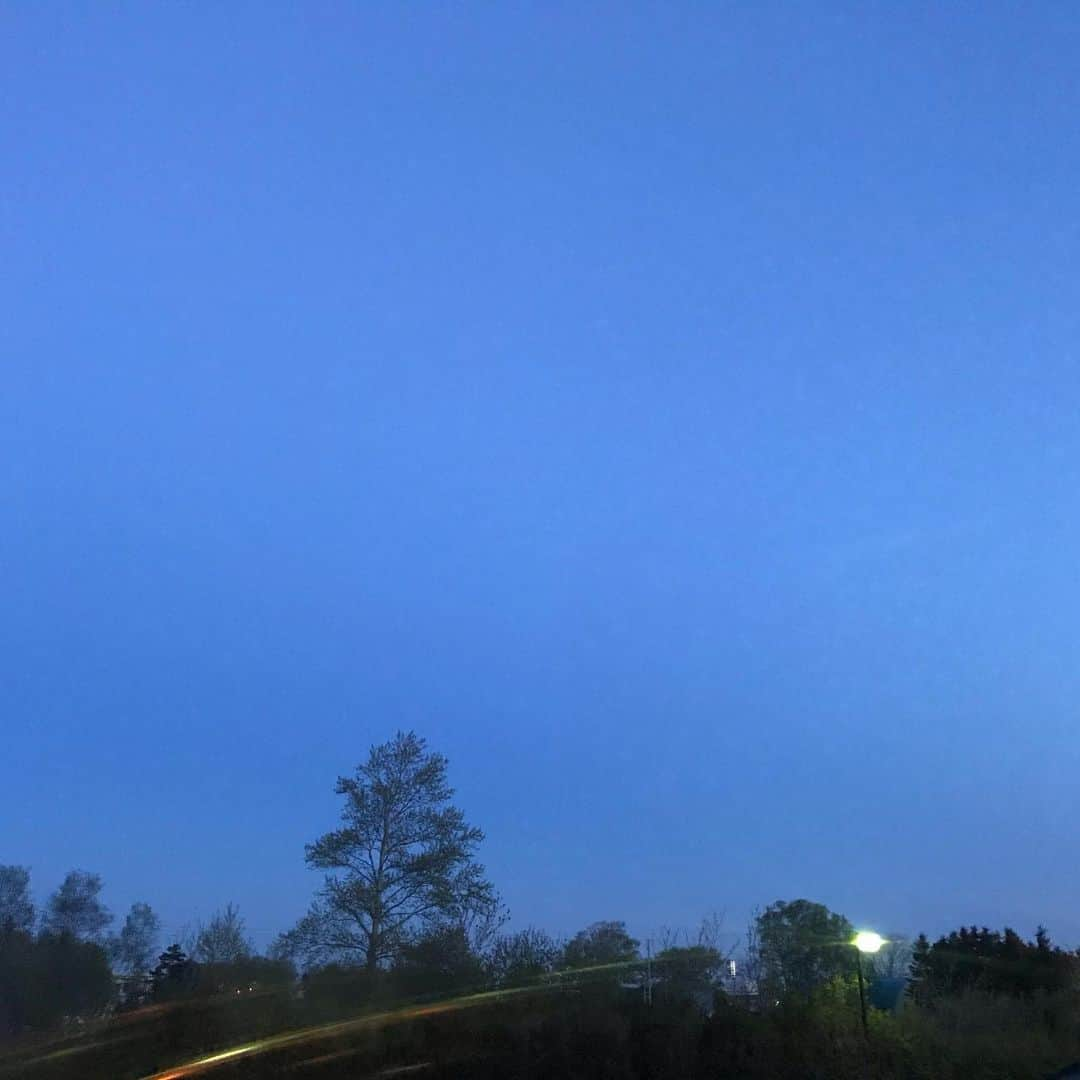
point(862, 994)
point(648, 971)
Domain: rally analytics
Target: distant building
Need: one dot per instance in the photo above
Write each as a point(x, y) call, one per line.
point(738, 986)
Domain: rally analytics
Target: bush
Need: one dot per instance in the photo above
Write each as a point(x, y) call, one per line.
point(51, 978)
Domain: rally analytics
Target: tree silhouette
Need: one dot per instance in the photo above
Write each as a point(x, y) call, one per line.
point(401, 864)
point(223, 940)
point(600, 944)
point(133, 948)
point(801, 945)
point(75, 908)
point(16, 907)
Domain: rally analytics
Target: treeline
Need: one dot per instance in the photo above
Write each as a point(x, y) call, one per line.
point(406, 913)
point(65, 964)
point(978, 1003)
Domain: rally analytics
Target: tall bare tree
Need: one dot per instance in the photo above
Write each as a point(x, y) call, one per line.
point(402, 862)
point(894, 959)
point(224, 939)
point(522, 957)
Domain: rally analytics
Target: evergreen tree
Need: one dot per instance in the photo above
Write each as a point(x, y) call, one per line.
point(174, 976)
point(919, 970)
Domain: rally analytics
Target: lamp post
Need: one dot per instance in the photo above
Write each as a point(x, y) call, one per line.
point(866, 941)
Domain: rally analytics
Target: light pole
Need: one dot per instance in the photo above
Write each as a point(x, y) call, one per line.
point(866, 941)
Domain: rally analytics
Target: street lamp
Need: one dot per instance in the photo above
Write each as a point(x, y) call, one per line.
point(866, 941)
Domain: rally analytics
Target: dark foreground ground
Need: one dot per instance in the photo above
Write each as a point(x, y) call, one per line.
point(542, 1033)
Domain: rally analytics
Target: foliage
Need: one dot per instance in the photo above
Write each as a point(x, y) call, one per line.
point(600, 944)
point(520, 958)
point(178, 977)
point(801, 946)
point(175, 975)
point(335, 988)
point(402, 862)
point(439, 962)
point(16, 906)
point(132, 950)
point(405, 899)
point(687, 972)
point(50, 978)
point(578, 1034)
point(991, 961)
point(223, 940)
point(75, 908)
point(245, 974)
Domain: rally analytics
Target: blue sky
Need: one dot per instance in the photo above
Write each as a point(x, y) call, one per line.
point(668, 410)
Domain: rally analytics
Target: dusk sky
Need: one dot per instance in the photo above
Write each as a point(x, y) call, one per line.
point(671, 411)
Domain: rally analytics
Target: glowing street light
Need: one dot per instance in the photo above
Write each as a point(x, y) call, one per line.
point(865, 941)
